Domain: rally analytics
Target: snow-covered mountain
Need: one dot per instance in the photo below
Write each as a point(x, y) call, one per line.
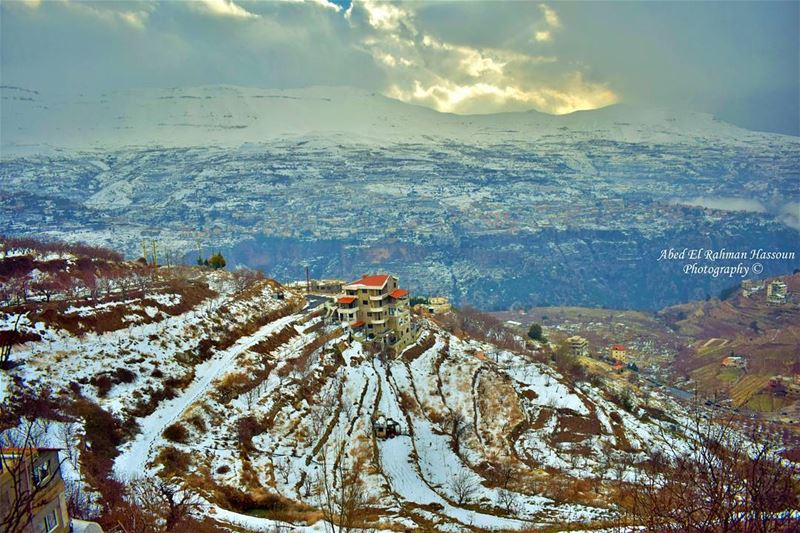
point(495, 210)
point(231, 116)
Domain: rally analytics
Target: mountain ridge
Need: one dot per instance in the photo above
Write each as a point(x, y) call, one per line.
point(229, 115)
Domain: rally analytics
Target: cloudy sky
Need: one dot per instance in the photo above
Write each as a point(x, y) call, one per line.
point(738, 60)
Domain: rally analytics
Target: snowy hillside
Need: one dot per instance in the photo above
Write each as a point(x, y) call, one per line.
point(230, 116)
point(255, 402)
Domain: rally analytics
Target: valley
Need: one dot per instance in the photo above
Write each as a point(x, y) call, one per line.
point(496, 211)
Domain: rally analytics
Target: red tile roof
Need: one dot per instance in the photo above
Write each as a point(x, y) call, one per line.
point(398, 293)
point(357, 324)
point(618, 347)
point(374, 282)
point(346, 299)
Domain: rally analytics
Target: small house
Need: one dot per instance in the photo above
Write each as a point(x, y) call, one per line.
point(734, 361)
point(386, 428)
point(776, 386)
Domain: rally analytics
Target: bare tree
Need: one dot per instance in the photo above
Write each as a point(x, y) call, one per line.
point(507, 501)
point(464, 486)
point(504, 474)
point(340, 487)
point(251, 396)
point(244, 277)
point(459, 426)
point(284, 467)
point(168, 505)
point(721, 481)
point(7, 341)
point(79, 503)
point(67, 436)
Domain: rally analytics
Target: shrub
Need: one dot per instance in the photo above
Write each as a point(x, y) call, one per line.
point(246, 428)
point(176, 432)
point(125, 376)
point(175, 461)
point(103, 382)
point(197, 421)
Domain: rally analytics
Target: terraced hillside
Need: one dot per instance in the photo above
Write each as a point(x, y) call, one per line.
point(236, 390)
point(767, 336)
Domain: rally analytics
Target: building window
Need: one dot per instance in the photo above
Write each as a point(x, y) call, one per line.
point(50, 521)
point(40, 472)
point(364, 302)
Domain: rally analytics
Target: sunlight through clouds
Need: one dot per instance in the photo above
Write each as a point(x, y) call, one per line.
point(458, 78)
point(477, 56)
point(481, 97)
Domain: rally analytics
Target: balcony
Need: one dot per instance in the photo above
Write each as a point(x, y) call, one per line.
point(348, 310)
point(377, 298)
point(373, 310)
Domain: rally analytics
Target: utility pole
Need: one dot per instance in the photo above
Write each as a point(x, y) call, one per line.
point(155, 255)
point(308, 281)
point(144, 250)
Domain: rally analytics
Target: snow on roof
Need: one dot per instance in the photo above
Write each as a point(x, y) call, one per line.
point(375, 281)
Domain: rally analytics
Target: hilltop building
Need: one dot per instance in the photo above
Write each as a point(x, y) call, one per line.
point(438, 305)
point(326, 286)
point(619, 352)
point(776, 292)
point(376, 308)
point(578, 345)
point(37, 473)
point(751, 286)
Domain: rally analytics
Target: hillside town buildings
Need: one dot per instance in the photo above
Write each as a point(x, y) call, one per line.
point(619, 352)
point(776, 292)
point(751, 286)
point(578, 345)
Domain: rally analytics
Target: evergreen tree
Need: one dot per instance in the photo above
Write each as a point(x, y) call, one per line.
point(217, 261)
point(535, 333)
